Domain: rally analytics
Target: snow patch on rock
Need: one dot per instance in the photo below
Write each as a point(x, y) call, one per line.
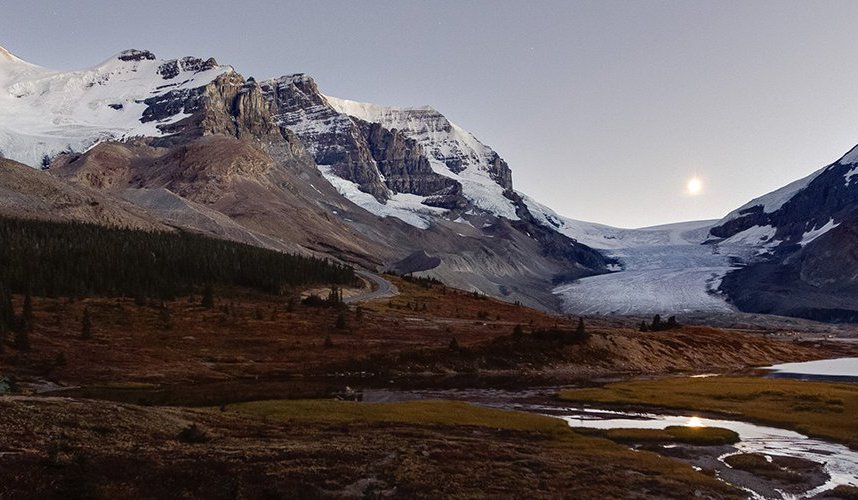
point(814, 233)
point(759, 236)
point(405, 207)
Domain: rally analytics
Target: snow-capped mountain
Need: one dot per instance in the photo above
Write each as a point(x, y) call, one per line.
point(408, 163)
point(45, 112)
point(806, 238)
point(797, 213)
point(190, 143)
point(194, 144)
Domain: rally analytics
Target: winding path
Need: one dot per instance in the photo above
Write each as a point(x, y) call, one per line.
point(383, 289)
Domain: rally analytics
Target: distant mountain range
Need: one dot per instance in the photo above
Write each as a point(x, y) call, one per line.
point(191, 144)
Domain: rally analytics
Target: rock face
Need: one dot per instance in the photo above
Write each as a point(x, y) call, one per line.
point(808, 265)
point(378, 160)
point(331, 138)
point(450, 151)
point(405, 169)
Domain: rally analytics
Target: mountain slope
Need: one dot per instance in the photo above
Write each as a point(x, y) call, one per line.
point(799, 212)
point(28, 193)
point(805, 232)
point(278, 164)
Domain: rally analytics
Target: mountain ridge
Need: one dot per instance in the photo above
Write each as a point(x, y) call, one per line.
point(196, 139)
point(193, 144)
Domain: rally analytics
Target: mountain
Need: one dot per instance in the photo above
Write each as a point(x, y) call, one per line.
point(193, 144)
point(805, 232)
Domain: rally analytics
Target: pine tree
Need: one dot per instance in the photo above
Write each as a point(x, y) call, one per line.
point(341, 322)
point(580, 330)
point(208, 297)
point(517, 332)
point(656, 323)
point(7, 315)
point(27, 313)
point(86, 325)
point(644, 327)
point(22, 340)
point(165, 319)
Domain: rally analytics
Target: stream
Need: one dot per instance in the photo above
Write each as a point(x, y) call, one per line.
point(839, 464)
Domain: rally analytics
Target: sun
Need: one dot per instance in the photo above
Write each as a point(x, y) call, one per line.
point(694, 186)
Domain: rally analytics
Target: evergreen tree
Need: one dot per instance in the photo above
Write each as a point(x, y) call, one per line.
point(208, 296)
point(27, 313)
point(86, 325)
point(7, 315)
point(75, 259)
point(335, 296)
point(22, 340)
point(656, 323)
point(644, 327)
point(580, 330)
point(340, 324)
point(165, 319)
point(517, 332)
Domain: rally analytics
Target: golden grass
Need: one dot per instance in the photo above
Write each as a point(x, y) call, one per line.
point(700, 436)
point(141, 386)
point(820, 409)
point(758, 465)
point(410, 412)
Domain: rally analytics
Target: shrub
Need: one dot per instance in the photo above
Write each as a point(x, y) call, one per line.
point(193, 434)
point(454, 345)
point(86, 325)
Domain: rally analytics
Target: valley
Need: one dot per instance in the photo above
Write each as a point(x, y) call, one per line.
point(213, 286)
point(254, 379)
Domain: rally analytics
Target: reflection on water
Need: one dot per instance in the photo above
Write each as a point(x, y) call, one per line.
point(839, 462)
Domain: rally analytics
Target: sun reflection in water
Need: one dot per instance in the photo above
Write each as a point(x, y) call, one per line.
point(694, 422)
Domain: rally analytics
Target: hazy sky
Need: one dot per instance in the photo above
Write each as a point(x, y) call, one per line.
point(603, 109)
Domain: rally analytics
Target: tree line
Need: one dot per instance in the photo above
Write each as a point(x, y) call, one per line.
point(77, 259)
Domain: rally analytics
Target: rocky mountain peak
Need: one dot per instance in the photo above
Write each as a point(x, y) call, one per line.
point(135, 55)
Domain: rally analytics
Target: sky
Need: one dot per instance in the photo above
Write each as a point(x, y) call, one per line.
point(603, 109)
